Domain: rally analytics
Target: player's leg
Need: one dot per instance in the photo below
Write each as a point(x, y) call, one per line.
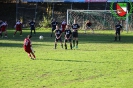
point(28, 51)
point(116, 36)
point(34, 31)
point(76, 42)
point(33, 55)
point(70, 43)
point(52, 32)
point(31, 31)
point(74, 38)
point(5, 33)
point(86, 29)
point(65, 43)
point(0, 33)
point(92, 29)
point(14, 33)
point(119, 35)
point(56, 40)
point(61, 42)
point(21, 32)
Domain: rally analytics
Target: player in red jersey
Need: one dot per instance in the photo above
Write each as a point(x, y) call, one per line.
point(18, 27)
point(28, 47)
point(63, 25)
point(3, 28)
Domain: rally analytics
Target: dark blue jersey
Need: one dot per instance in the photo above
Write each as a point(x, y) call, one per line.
point(118, 27)
point(68, 33)
point(75, 27)
point(32, 24)
point(58, 32)
point(54, 23)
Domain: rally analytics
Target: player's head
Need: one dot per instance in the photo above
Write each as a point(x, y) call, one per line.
point(88, 21)
point(29, 36)
point(67, 26)
point(54, 20)
point(57, 26)
point(118, 22)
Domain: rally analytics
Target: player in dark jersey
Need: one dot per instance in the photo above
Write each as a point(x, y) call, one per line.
point(32, 26)
point(75, 28)
point(88, 26)
point(68, 35)
point(53, 24)
point(58, 34)
point(118, 28)
point(1, 27)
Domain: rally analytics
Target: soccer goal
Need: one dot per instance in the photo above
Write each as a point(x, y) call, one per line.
point(100, 19)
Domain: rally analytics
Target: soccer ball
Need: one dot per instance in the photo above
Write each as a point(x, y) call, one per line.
point(41, 37)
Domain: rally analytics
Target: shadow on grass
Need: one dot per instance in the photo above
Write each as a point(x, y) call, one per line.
point(19, 45)
point(83, 38)
point(78, 61)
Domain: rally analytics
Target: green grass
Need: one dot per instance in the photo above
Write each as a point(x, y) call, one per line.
point(99, 62)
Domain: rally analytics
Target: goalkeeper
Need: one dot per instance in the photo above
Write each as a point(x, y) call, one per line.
point(88, 26)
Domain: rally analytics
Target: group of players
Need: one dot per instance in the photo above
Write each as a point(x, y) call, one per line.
point(18, 27)
point(68, 34)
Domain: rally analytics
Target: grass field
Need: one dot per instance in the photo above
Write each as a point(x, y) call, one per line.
point(99, 62)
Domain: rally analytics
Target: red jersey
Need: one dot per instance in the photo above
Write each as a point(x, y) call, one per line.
point(27, 43)
point(3, 26)
point(18, 26)
point(63, 25)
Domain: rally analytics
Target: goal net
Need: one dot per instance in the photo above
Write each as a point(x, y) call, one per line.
point(100, 19)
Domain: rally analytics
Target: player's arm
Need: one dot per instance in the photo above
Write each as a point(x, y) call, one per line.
point(60, 35)
point(70, 35)
point(55, 34)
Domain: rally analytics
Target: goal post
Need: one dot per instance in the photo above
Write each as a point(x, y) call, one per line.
point(100, 19)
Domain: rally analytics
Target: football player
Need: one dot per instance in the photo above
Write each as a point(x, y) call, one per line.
point(32, 26)
point(53, 24)
point(118, 28)
point(68, 35)
point(88, 26)
point(28, 47)
point(18, 27)
point(75, 28)
point(58, 35)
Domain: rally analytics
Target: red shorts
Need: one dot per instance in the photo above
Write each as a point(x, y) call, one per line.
point(18, 29)
point(3, 29)
point(28, 50)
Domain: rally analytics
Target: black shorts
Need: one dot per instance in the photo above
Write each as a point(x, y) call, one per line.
point(53, 28)
point(32, 28)
point(67, 40)
point(117, 32)
point(58, 39)
point(75, 34)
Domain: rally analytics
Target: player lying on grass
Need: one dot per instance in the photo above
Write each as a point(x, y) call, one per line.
point(28, 47)
point(58, 35)
point(118, 28)
point(68, 35)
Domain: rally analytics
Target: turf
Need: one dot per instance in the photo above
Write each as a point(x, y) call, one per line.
point(99, 62)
